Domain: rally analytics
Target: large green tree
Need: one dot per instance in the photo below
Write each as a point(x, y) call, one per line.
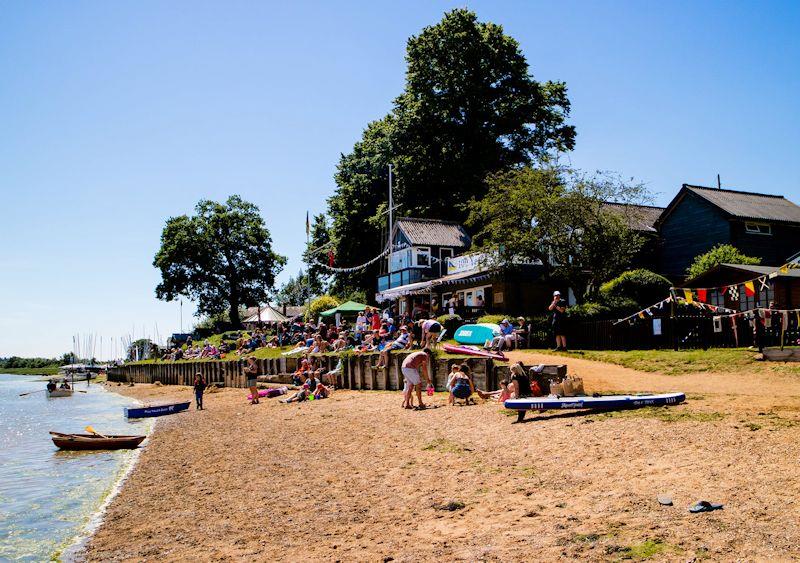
point(220, 258)
point(295, 291)
point(470, 107)
point(560, 218)
point(720, 254)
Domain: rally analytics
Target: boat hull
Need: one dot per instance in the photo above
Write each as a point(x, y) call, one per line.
point(156, 410)
point(59, 393)
point(449, 348)
point(94, 442)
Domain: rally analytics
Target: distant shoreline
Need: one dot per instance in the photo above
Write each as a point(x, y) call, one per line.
point(30, 371)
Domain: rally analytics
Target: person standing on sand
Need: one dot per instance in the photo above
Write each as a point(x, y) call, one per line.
point(251, 372)
point(199, 388)
point(414, 364)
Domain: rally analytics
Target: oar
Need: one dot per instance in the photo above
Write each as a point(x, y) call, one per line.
point(31, 392)
point(91, 430)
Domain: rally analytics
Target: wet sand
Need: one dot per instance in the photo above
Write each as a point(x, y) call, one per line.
point(355, 477)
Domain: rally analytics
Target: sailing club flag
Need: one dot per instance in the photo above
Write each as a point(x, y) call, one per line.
point(702, 295)
point(687, 293)
point(749, 289)
point(308, 225)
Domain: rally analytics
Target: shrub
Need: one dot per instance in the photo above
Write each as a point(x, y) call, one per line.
point(321, 303)
point(492, 319)
point(450, 323)
point(593, 311)
point(720, 254)
point(641, 286)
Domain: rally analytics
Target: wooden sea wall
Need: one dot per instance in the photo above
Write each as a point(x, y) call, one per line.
point(358, 372)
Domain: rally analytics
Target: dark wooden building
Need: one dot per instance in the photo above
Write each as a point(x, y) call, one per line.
point(783, 288)
point(698, 218)
point(424, 248)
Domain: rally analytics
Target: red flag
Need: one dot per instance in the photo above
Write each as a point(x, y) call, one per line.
point(701, 295)
point(749, 288)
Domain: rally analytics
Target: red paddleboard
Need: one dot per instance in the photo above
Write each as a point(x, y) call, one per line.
point(469, 350)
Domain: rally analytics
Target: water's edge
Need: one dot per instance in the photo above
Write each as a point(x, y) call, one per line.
point(75, 552)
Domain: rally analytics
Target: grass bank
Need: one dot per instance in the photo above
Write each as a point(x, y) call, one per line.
point(670, 362)
point(31, 371)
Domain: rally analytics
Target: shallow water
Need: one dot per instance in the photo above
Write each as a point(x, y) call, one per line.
point(48, 496)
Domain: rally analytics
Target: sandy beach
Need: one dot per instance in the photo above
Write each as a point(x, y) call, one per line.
point(355, 477)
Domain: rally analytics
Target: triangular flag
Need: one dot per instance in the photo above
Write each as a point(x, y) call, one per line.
point(749, 288)
point(641, 314)
point(784, 269)
point(701, 295)
point(687, 293)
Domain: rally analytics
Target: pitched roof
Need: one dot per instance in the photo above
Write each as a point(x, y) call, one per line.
point(749, 205)
point(639, 217)
point(433, 232)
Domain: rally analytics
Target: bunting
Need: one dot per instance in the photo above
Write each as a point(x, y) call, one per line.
point(702, 295)
point(749, 288)
point(688, 296)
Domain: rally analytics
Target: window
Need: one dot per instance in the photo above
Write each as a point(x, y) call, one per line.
point(423, 255)
point(758, 228)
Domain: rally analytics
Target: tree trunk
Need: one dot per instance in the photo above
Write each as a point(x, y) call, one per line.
point(236, 320)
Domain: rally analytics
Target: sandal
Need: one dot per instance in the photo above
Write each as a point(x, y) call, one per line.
point(705, 506)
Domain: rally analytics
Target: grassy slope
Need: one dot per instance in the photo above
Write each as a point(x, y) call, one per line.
point(670, 362)
point(31, 371)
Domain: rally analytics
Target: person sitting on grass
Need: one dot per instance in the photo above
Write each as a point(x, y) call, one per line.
point(300, 373)
point(463, 387)
point(402, 342)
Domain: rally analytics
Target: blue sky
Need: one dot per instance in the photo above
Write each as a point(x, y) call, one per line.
point(116, 115)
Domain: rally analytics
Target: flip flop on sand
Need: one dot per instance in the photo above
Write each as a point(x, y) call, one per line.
point(705, 506)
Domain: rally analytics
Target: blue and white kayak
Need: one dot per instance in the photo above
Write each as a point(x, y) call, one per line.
point(155, 410)
point(603, 402)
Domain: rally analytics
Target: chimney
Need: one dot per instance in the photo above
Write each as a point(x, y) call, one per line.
point(719, 183)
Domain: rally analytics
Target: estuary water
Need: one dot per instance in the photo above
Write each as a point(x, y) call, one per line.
point(47, 496)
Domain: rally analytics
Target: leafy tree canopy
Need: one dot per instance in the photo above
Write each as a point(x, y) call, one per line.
point(470, 107)
point(558, 217)
point(221, 257)
point(720, 254)
point(295, 291)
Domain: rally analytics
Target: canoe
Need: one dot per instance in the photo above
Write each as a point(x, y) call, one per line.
point(59, 393)
point(476, 334)
point(156, 410)
point(603, 402)
point(470, 351)
point(94, 442)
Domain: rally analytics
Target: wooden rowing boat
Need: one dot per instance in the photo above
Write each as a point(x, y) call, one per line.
point(59, 393)
point(95, 441)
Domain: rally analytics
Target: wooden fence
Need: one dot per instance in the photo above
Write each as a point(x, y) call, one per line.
point(357, 372)
point(679, 332)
